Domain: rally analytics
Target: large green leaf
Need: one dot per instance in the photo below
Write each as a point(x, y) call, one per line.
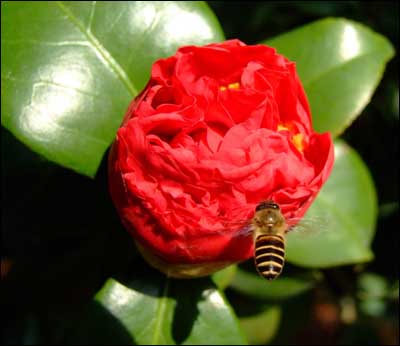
point(340, 63)
point(158, 310)
point(343, 217)
point(260, 328)
point(253, 285)
point(70, 69)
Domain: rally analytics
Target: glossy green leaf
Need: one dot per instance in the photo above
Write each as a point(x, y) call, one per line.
point(253, 285)
point(340, 63)
point(69, 69)
point(224, 277)
point(261, 328)
point(343, 215)
point(158, 310)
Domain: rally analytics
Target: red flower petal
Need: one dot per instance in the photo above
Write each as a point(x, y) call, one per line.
point(217, 130)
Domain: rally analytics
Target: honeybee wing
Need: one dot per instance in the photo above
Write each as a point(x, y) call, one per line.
point(241, 228)
point(308, 225)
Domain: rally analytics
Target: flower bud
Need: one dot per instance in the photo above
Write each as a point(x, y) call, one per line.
point(217, 130)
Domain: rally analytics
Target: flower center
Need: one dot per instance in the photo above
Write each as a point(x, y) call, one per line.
point(235, 85)
point(297, 139)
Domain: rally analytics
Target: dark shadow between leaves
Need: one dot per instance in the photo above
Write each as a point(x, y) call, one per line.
point(97, 326)
point(188, 295)
point(59, 231)
point(88, 324)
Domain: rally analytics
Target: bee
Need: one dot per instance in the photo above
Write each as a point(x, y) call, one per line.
point(269, 228)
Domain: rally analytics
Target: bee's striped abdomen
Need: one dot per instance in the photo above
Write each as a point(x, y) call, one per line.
point(269, 255)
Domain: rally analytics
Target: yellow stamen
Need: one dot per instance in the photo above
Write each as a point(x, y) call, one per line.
point(297, 140)
point(235, 85)
point(282, 128)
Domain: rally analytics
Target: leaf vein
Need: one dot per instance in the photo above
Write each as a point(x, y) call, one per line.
point(55, 44)
point(161, 310)
point(49, 82)
point(103, 54)
point(116, 20)
point(92, 10)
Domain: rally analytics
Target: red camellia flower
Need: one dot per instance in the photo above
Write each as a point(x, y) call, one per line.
point(217, 130)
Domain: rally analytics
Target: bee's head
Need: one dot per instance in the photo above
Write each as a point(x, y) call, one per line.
point(267, 205)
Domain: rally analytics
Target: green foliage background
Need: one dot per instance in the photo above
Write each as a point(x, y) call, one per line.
point(75, 276)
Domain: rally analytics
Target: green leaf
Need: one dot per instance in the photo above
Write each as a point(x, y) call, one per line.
point(373, 290)
point(340, 63)
point(158, 310)
point(345, 214)
point(284, 287)
point(224, 277)
point(69, 69)
point(262, 327)
point(371, 285)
